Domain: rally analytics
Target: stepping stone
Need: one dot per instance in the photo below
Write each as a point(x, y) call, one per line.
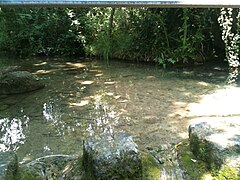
point(19, 82)
point(217, 142)
point(112, 156)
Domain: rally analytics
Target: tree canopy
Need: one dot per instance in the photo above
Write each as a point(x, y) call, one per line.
point(160, 35)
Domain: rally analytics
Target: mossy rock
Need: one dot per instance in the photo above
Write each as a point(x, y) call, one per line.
point(217, 143)
point(151, 170)
point(197, 169)
point(19, 82)
point(194, 168)
point(112, 156)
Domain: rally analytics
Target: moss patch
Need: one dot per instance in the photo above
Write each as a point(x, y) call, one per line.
point(226, 173)
point(150, 167)
point(195, 169)
point(199, 170)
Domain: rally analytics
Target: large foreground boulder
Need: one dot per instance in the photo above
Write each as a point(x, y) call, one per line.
point(216, 142)
point(19, 82)
point(112, 157)
point(8, 165)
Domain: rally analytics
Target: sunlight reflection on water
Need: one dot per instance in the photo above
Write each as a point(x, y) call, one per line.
point(12, 133)
point(104, 118)
point(50, 112)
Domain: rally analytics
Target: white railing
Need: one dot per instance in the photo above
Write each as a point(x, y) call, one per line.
point(122, 3)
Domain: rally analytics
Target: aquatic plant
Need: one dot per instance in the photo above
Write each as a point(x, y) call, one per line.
point(164, 61)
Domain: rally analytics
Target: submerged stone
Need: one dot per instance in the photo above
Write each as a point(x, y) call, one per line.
point(112, 156)
point(216, 142)
point(8, 165)
point(7, 69)
point(57, 166)
point(19, 82)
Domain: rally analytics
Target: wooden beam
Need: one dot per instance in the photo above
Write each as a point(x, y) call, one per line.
point(122, 3)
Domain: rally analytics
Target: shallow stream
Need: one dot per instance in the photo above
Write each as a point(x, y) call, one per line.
point(86, 97)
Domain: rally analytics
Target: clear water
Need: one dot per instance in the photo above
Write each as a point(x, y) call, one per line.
point(86, 97)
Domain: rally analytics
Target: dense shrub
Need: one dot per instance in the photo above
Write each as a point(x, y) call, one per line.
point(43, 31)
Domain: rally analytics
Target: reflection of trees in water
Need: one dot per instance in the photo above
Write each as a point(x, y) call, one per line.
point(12, 133)
point(103, 118)
point(52, 113)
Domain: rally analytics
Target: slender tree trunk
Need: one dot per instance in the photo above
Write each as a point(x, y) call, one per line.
point(111, 18)
point(110, 30)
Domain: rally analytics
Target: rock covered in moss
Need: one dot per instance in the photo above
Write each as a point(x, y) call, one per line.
point(19, 82)
point(8, 165)
point(112, 156)
point(216, 142)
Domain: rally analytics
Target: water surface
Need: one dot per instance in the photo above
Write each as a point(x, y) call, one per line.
point(86, 97)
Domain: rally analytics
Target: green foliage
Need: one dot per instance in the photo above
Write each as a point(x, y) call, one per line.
point(191, 35)
point(150, 36)
point(164, 61)
point(143, 34)
point(42, 31)
point(3, 32)
point(103, 46)
point(175, 34)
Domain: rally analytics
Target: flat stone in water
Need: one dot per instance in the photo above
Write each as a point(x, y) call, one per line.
point(19, 82)
point(112, 156)
point(216, 142)
point(8, 165)
point(51, 167)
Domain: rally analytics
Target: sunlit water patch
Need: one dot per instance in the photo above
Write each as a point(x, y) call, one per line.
point(12, 133)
